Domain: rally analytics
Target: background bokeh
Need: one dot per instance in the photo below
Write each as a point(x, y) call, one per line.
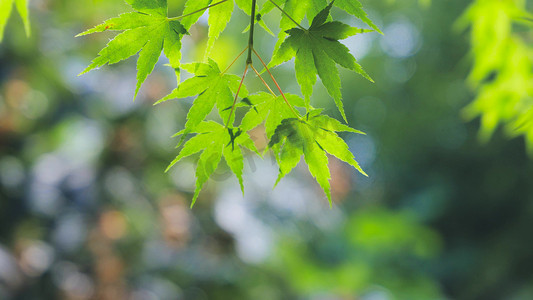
point(86, 211)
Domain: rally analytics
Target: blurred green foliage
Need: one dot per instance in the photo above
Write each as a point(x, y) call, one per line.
point(503, 71)
point(359, 258)
point(87, 212)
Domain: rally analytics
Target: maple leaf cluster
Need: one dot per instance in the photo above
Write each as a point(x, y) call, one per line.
point(294, 128)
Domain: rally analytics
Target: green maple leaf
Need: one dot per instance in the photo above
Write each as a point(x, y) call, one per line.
point(219, 17)
point(298, 9)
point(5, 11)
point(147, 30)
point(312, 137)
point(190, 7)
point(269, 109)
point(212, 87)
point(215, 141)
point(317, 51)
point(355, 8)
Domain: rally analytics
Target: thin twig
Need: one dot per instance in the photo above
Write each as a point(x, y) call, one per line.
point(264, 82)
point(234, 61)
point(250, 48)
point(288, 16)
point(236, 95)
point(277, 85)
point(197, 11)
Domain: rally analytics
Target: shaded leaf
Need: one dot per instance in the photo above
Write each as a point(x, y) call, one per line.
point(317, 51)
point(298, 9)
point(313, 138)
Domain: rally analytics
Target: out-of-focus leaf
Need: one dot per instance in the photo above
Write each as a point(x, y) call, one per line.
point(6, 7)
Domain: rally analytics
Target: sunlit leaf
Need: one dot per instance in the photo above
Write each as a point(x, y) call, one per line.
point(212, 87)
point(215, 141)
point(269, 109)
point(219, 17)
point(147, 31)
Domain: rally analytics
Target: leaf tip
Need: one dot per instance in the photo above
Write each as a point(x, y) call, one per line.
point(169, 166)
point(328, 194)
point(196, 192)
point(136, 93)
point(278, 180)
point(88, 69)
point(242, 188)
point(83, 72)
point(344, 116)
